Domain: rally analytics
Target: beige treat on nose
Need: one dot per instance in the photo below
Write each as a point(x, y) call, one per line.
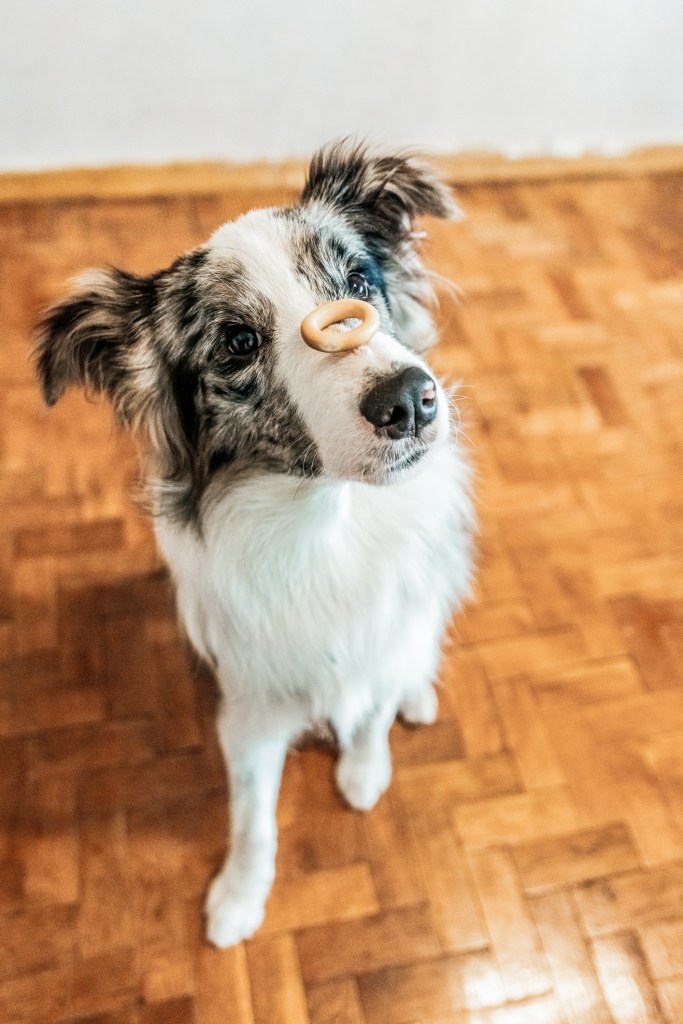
point(315, 332)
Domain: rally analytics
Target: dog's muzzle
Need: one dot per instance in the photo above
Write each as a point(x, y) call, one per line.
point(315, 327)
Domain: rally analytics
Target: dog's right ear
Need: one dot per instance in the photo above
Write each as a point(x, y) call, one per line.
point(87, 338)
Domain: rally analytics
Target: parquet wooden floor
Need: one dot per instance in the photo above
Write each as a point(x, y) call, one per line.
point(526, 866)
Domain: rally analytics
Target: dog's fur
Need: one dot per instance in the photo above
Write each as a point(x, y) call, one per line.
point(316, 559)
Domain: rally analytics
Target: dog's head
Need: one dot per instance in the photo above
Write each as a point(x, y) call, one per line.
point(205, 360)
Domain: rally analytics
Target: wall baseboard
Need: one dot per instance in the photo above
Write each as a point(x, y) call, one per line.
point(203, 178)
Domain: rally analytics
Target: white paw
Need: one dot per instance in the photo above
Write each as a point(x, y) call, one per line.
point(361, 781)
point(233, 911)
point(420, 707)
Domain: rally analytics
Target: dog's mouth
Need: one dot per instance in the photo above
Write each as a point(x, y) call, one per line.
point(390, 469)
point(407, 461)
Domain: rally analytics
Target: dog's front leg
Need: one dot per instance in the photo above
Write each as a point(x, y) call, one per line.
point(254, 757)
point(364, 767)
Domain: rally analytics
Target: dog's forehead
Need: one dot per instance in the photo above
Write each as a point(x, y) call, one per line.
point(260, 244)
point(283, 251)
point(255, 240)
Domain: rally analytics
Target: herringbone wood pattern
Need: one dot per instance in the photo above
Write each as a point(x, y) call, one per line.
point(526, 866)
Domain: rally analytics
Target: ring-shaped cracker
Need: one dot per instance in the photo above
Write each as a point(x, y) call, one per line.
point(314, 326)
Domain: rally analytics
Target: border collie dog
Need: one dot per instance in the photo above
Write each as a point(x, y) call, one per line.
point(314, 509)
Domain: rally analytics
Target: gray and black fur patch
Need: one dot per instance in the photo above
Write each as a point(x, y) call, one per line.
point(156, 347)
point(326, 250)
point(379, 195)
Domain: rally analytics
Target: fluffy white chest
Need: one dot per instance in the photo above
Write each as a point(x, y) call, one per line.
point(325, 592)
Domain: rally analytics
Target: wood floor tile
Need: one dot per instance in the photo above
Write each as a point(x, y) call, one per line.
point(335, 1002)
point(520, 818)
point(367, 944)
point(36, 940)
point(570, 961)
point(671, 999)
point(278, 995)
point(631, 900)
point(222, 985)
point(468, 696)
point(437, 987)
point(452, 784)
point(564, 860)
point(545, 1010)
point(629, 990)
point(105, 921)
point(454, 907)
point(338, 894)
point(396, 876)
point(663, 946)
point(514, 937)
point(527, 735)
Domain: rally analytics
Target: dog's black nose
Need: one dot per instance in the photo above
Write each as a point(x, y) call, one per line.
point(402, 405)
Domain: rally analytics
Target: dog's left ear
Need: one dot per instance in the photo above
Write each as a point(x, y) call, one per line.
point(88, 338)
point(102, 337)
point(380, 193)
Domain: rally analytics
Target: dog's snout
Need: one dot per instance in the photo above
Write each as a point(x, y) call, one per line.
point(402, 405)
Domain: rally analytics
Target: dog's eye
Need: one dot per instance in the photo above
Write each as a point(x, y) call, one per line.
point(359, 287)
point(242, 340)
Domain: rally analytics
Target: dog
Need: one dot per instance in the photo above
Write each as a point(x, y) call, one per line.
point(314, 509)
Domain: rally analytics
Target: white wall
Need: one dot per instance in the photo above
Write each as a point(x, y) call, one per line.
point(109, 81)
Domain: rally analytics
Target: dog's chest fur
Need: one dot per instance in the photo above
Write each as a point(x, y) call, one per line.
point(331, 594)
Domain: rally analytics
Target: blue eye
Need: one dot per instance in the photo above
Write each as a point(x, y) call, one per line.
point(242, 340)
point(358, 287)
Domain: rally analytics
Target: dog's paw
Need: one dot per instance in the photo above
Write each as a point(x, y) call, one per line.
point(361, 781)
point(420, 707)
point(233, 911)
